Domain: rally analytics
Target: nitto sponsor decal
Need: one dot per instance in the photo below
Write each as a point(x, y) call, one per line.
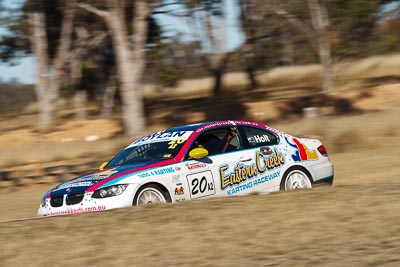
point(162, 137)
point(302, 153)
point(156, 172)
point(195, 166)
point(242, 173)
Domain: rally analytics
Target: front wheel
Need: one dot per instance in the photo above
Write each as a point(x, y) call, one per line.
point(296, 178)
point(150, 194)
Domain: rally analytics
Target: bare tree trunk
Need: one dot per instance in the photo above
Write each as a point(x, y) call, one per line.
point(129, 68)
point(288, 49)
point(80, 99)
point(320, 21)
point(327, 70)
point(48, 77)
point(133, 115)
point(250, 75)
point(39, 47)
point(216, 65)
point(217, 88)
point(62, 53)
point(317, 34)
point(80, 96)
point(108, 101)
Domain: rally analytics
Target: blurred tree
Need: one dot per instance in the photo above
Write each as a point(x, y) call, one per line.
point(388, 35)
point(130, 62)
point(164, 55)
point(355, 23)
point(207, 20)
point(315, 27)
point(249, 20)
point(50, 61)
point(43, 28)
point(350, 28)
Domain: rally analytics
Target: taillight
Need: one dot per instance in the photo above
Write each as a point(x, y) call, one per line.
point(322, 150)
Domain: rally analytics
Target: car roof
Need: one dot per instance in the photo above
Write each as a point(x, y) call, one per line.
point(194, 127)
point(190, 127)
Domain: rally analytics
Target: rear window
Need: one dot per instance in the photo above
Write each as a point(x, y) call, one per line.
point(258, 137)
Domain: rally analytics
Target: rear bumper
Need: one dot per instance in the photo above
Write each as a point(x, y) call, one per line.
point(324, 181)
point(322, 173)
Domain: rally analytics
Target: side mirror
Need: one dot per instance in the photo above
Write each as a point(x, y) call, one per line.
point(198, 153)
point(103, 165)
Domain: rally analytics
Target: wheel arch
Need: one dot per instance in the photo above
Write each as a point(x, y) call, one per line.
point(295, 167)
point(160, 186)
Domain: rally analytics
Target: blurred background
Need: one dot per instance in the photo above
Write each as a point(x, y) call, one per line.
point(79, 80)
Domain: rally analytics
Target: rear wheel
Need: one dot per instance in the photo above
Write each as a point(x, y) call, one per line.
point(296, 178)
point(151, 194)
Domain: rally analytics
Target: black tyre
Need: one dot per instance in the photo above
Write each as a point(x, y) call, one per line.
point(296, 178)
point(151, 194)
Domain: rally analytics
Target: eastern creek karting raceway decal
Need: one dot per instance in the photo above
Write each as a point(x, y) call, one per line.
point(241, 173)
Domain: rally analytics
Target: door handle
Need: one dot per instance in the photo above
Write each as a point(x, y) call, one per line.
point(245, 158)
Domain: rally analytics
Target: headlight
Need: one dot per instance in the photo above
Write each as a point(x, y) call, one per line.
point(110, 191)
point(43, 201)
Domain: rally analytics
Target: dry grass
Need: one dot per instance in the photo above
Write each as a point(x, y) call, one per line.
point(341, 226)
point(349, 75)
point(355, 223)
point(23, 144)
point(20, 143)
point(49, 152)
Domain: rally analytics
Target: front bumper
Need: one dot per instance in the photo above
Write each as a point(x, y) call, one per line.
point(88, 204)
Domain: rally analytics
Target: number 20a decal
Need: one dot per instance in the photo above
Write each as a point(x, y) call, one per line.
point(201, 184)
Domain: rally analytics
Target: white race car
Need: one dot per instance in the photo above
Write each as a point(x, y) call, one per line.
point(211, 159)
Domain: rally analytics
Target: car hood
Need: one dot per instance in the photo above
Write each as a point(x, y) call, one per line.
point(80, 184)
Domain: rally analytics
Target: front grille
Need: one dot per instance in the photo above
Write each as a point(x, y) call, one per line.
point(57, 201)
point(74, 198)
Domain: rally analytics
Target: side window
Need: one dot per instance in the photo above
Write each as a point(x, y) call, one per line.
point(258, 137)
point(218, 141)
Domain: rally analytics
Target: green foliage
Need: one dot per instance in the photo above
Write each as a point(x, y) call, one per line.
point(388, 37)
point(14, 40)
point(355, 24)
point(162, 62)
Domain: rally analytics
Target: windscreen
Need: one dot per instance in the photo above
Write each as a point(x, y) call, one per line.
point(152, 148)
